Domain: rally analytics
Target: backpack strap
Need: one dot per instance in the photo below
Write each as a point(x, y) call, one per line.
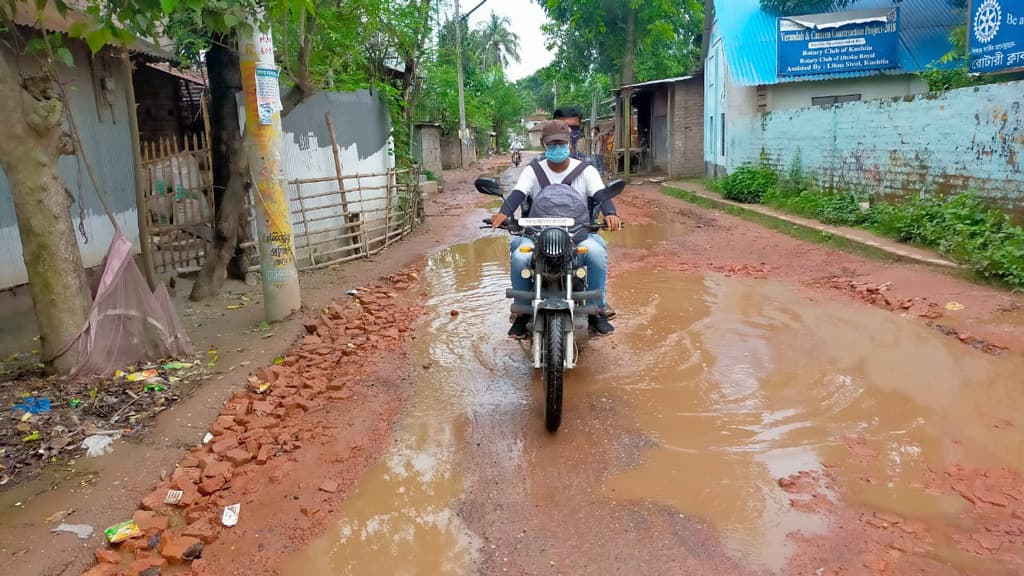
point(572, 176)
point(542, 177)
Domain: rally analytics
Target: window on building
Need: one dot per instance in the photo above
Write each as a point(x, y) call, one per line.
point(712, 134)
point(830, 100)
point(722, 130)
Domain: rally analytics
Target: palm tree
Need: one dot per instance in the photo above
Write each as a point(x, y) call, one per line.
point(496, 43)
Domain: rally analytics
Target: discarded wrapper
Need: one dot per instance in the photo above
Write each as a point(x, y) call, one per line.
point(207, 438)
point(230, 517)
point(352, 293)
point(123, 531)
point(143, 375)
point(173, 497)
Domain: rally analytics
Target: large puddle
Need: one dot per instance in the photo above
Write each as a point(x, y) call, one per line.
point(737, 383)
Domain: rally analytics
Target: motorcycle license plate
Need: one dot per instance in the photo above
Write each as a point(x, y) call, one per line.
point(546, 222)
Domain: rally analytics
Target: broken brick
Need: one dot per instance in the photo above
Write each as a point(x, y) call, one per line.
point(178, 549)
point(107, 556)
point(212, 484)
point(103, 569)
point(147, 520)
point(329, 486)
point(238, 456)
point(228, 443)
point(218, 468)
point(265, 454)
point(203, 529)
point(146, 566)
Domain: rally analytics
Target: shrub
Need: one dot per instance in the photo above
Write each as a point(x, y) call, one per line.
point(749, 183)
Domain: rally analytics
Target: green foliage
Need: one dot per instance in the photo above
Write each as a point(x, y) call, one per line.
point(749, 183)
point(961, 227)
point(796, 7)
point(591, 39)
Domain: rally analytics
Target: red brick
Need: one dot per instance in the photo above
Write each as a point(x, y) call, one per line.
point(103, 569)
point(210, 485)
point(203, 529)
point(229, 442)
point(219, 468)
point(147, 520)
point(155, 499)
point(265, 454)
point(177, 549)
point(107, 556)
point(182, 476)
point(141, 565)
point(238, 456)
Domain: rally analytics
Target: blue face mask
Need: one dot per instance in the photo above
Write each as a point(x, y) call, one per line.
point(557, 153)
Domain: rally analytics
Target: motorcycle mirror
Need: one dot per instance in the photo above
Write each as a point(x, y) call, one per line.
point(614, 188)
point(488, 186)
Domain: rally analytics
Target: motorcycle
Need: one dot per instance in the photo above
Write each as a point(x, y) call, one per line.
point(517, 158)
point(560, 325)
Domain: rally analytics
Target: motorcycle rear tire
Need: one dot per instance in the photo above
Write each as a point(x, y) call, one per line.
point(554, 370)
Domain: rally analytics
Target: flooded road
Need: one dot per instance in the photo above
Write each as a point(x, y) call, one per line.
point(678, 431)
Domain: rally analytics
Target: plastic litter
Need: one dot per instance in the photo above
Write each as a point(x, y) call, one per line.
point(955, 306)
point(207, 437)
point(123, 531)
point(177, 365)
point(75, 402)
point(33, 405)
point(32, 437)
point(83, 531)
point(230, 516)
point(98, 445)
point(352, 293)
point(143, 375)
point(173, 497)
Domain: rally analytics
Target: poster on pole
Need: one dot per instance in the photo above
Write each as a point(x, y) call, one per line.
point(995, 39)
point(268, 92)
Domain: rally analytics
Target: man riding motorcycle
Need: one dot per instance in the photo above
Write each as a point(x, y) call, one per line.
point(559, 168)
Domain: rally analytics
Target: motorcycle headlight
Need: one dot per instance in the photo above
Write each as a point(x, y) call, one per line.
point(554, 242)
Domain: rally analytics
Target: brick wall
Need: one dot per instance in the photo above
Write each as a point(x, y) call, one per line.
point(947, 142)
point(687, 131)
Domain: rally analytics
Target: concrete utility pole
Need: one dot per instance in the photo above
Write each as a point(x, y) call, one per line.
point(463, 134)
point(263, 140)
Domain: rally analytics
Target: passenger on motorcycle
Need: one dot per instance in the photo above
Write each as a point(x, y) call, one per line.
point(559, 168)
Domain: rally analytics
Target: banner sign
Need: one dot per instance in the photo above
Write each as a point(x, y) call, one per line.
point(839, 42)
point(995, 39)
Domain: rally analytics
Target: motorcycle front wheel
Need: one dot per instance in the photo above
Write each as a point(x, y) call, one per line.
point(554, 370)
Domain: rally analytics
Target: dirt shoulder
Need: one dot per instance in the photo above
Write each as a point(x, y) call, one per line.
point(102, 492)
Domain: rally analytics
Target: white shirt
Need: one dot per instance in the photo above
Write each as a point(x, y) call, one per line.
point(586, 184)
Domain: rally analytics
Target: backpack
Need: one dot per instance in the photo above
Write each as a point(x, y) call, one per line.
point(545, 182)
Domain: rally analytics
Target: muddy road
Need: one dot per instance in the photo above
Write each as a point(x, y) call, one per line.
point(730, 426)
point(766, 406)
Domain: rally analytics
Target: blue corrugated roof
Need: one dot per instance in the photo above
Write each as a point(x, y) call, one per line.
point(749, 37)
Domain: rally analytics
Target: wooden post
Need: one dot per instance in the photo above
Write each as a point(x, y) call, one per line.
point(337, 165)
point(627, 133)
point(141, 206)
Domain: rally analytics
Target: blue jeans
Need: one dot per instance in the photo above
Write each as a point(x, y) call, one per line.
point(595, 261)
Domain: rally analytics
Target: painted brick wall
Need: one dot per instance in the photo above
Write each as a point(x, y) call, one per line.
point(947, 142)
point(687, 132)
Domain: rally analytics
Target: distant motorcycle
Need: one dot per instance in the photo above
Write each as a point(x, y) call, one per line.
point(517, 157)
point(560, 327)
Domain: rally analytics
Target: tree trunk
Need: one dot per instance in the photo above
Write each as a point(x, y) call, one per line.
point(303, 87)
point(627, 55)
point(32, 144)
point(230, 169)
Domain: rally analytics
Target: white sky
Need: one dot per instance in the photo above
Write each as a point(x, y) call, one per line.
point(527, 17)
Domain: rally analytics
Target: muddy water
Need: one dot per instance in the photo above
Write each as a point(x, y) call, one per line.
point(744, 382)
point(732, 383)
point(402, 518)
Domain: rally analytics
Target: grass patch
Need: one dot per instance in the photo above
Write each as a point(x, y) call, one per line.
point(961, 227)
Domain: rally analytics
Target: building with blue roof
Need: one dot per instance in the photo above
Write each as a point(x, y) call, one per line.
point(873, 49)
